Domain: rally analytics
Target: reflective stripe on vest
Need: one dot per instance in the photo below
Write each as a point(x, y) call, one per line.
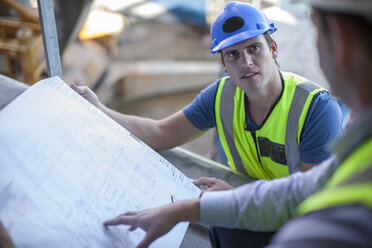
point(227, 116)
point(362, 177)
point(292, 148)
point(225, 97)
point(352, 182)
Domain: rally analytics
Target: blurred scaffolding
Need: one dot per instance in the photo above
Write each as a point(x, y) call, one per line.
point(86, 62)
point(20, 42)
point(163, 50)
point(21, 48)
point(143, 57)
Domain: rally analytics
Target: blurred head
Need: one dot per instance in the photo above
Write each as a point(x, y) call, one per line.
point(344, 43)
point(360, 8)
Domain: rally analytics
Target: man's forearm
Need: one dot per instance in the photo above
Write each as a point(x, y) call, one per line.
point(166, 133)
point(262, 205)
point(188, 210)
point(145, 129)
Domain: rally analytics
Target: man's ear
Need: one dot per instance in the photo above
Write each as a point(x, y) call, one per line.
point(274, 49)
point(342, 40)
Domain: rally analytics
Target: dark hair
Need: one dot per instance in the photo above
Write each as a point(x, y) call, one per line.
point(268, 38)
point(363, 28)
point(269, 41)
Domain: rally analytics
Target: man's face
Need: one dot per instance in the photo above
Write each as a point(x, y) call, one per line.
point(250, 63)
point(326, 53)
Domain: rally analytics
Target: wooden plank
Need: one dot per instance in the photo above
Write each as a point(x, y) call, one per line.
point(18, 24)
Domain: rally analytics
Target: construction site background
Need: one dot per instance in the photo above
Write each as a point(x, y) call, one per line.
point(147, 58)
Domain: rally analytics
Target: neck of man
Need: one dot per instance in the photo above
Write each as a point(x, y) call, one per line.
point(261, 102)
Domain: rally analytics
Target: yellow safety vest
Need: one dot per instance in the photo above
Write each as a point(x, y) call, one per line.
point(273, 151)
point(352, 182)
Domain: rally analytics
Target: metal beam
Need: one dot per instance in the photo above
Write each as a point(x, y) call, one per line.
point(50, 38)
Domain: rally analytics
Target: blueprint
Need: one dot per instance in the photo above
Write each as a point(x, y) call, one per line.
point(65, 168)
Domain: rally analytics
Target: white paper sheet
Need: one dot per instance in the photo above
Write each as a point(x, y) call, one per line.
point(65, 167)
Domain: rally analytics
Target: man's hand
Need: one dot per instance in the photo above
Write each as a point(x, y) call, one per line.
point(213, 184)
point(158, 221)
point(87, 93)
point(5, 240)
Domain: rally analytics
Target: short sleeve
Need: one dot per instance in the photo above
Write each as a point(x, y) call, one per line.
point(322, 125)
point(200, 112)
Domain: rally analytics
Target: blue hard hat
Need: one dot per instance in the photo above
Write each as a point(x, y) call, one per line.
point(238, 22)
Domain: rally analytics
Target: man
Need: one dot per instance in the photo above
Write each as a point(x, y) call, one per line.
point(343, 209)
point(340, 213)
point(271, 123)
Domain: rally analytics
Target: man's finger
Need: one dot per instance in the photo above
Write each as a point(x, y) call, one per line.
point(132, 228)
point(129, 213)
point(112, 222)
point(74, 86)
point(120, 220)
point(203, 181)
point(81, 90)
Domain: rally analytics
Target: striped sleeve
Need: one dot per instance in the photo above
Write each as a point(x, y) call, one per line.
point(263, 205)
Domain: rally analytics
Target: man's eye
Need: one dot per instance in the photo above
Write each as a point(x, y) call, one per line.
point(231, 54)
point(254, 48)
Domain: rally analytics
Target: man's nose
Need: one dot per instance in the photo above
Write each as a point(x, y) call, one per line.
point(246, 59)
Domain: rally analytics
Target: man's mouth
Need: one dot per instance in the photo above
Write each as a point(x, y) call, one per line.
point(248, 75)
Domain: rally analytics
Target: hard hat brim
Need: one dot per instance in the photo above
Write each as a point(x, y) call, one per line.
point(237, 38)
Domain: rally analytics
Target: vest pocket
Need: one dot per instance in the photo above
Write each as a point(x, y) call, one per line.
point(275, 151)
